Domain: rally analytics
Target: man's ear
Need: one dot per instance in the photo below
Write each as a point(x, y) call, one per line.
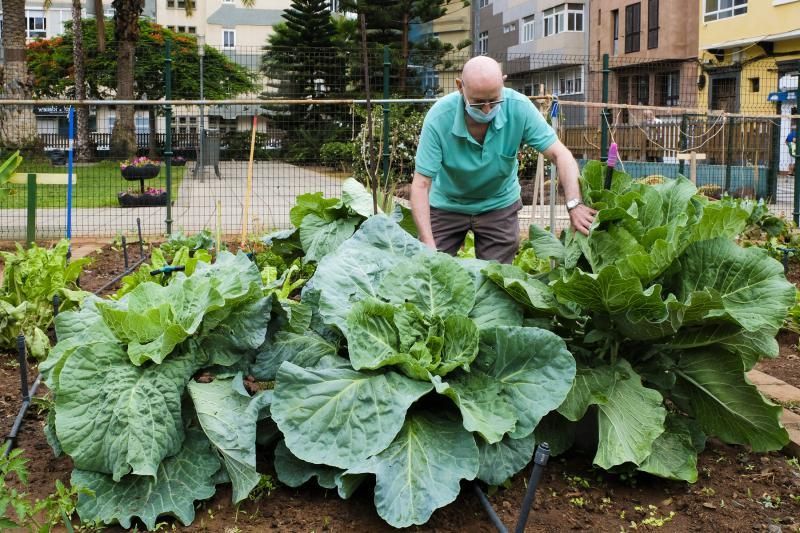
point(505, 76)
point(459, 84)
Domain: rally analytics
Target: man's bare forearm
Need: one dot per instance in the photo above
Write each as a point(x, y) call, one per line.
point(421, 209)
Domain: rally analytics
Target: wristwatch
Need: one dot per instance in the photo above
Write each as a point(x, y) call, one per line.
point(573, 203)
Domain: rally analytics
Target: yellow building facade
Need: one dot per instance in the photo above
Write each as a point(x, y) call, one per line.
point(750, 60)
point(749, 50)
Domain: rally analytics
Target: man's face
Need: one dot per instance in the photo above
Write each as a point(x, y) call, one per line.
point(482, 96)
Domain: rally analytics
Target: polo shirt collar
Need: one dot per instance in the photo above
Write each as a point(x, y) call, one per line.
point(460, 124)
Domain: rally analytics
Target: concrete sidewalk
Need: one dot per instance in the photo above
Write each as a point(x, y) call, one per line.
point(275, 186)
point(781, 393)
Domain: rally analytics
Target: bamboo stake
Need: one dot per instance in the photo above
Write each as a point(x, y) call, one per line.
point(249, 191)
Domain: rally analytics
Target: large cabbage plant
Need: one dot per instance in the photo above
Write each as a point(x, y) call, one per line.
point(414, 368)
point(144, 436)
point(664, 314)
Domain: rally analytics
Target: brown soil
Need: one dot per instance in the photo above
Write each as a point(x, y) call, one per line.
point(737, 490)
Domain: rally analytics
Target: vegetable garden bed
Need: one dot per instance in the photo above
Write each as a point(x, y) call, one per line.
point(456, 304)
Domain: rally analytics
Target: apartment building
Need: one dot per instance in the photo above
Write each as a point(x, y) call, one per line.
point(542, 45)
point(652, 46)
point(750, 56)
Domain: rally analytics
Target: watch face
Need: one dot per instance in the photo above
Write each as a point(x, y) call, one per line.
point(572, 204)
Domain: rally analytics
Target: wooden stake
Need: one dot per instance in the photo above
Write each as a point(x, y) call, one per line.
point(692, 157)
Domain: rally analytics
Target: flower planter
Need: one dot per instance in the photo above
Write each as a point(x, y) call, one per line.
point(178, 163)
point(127, 199)
point(145, 172)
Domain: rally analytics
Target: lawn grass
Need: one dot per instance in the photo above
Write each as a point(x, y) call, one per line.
point(97, 185)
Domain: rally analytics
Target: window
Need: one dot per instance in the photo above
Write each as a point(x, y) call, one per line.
point(35, 24)
point(615, 32)
point(566, 17)
point(142, 124)
point(642, 86)
point(527, 29)
point(483, 43)
point(561, 82)
point(633, 20)
point(181, 4)
point(228, 38)
point(483, 3)
point(570, 81)
point(668, 86)
point(722, 9)
point(508, 28)
point(652, 24)
point(755, 85)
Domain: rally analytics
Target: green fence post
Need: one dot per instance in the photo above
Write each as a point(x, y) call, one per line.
point(605, 113)
point(775, 159)
point(797, 161)
point(683, 141)
point(31, 233)
point(168, 136)
point(386, 152)
point(729, 154)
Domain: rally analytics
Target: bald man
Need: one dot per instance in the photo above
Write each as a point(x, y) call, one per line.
point(466, 165)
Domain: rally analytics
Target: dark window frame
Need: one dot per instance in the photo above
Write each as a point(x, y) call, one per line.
point(652, 24)
point(633, 28)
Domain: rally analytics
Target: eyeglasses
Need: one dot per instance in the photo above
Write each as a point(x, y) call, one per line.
point(480, 105)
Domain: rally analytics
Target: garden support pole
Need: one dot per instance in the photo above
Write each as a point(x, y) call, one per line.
point(168, 124)
point(69, 170)
point(796, 213)
point(729, 154)
point(31, 233)
point(683, 140)
point(605, 113)
point(385, 156)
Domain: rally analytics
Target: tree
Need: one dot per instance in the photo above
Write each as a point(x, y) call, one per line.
point(82, 148)
point(126, 34)
point(301, 61)
point(388, 23)
point(17, 123)
point(50, 62)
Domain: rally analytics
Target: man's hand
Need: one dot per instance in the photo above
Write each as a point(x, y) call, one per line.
point(581, 218)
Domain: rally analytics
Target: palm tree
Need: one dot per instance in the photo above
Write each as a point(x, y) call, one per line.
point(126, 32)
point(17, 123)
point(83, 150)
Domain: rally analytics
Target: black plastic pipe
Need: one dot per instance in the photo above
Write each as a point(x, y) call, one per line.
point(125, 251)
point(26, 395)
point(487, 506)
point(539, 461)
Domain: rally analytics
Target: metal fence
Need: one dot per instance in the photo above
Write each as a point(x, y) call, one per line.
point(310, 114)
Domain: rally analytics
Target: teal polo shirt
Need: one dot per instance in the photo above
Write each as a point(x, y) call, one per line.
point(471, 178)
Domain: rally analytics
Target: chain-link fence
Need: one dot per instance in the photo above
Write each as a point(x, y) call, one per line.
point(309, 112)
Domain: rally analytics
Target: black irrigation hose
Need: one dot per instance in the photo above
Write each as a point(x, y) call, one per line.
point(540, 458)
point(27, 394)
point(487, 506)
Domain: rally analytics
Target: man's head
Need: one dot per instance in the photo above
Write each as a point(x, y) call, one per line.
point(481, 82)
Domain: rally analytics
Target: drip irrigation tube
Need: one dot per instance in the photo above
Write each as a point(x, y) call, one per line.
point(540, 458)
point(26, 395)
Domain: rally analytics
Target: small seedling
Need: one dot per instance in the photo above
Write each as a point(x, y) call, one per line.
point(577, 502)
point(769, 502)
point(707, 491)
point(264, 488)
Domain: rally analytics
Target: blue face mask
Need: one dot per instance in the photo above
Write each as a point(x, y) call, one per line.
point(478, 115)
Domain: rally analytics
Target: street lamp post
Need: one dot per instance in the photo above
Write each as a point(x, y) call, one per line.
point(201, 51)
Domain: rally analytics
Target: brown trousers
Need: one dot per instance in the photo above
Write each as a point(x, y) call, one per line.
point(496, 232)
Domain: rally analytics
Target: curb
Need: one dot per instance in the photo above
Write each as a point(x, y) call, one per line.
point(782, 393)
